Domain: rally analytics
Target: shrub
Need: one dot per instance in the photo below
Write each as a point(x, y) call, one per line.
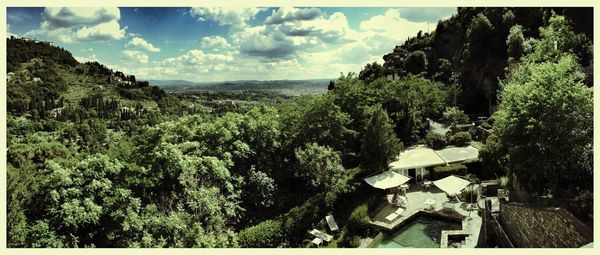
point(358, 223)
point(460, 139)
point(435, 140)
point(504, 182)
point(444, 171)
point(353, 241)
point(265, 234)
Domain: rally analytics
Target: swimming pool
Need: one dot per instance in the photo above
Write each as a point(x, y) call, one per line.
point(421, 232)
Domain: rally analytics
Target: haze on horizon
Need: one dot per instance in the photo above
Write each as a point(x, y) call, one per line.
point(222, 44)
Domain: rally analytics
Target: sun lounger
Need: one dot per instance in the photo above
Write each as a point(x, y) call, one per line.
point(395, 214)
point(331, 222)
point(317, 241)
point(321, 235)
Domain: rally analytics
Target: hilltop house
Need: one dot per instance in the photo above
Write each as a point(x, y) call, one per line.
point(394, 63)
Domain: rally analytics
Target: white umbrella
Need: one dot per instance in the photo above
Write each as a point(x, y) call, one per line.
point(452, 185)
point(386, 180)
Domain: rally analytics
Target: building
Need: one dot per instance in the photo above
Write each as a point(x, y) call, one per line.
point(394, 63)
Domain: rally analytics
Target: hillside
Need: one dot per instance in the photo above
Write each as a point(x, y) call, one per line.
point(470, 49)
point(293, 87)
point(44, 79)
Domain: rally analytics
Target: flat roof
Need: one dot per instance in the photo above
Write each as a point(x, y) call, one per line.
point(423, 156)
point(459, 154)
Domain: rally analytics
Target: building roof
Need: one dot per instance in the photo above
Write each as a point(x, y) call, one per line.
point(417, 157)
point(459, 154)
point(386, 180)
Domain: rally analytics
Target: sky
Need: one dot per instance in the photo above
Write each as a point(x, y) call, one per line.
point(218, 44)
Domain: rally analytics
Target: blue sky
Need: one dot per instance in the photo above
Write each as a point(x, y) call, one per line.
point(216, 44)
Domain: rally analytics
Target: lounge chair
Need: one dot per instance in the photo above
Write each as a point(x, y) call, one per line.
point(321, 235)
point(395, 214)
point(317, 241)
point(331, 223)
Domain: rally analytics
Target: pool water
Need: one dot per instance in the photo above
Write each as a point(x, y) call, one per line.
point(422, 232)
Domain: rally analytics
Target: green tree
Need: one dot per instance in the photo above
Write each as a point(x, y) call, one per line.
point(379, 143)
point(371, 72)
point(319, 166)
point(416, 62)
point(453, 116)
point(543, 128)
point(515, 43)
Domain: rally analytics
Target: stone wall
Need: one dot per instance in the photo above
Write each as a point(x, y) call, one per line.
point(534, 227)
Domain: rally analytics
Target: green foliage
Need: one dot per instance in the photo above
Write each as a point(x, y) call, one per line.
point(453, 116)
point(359, 221)
point(556, 39)
point(21, 51)
point(460, 139)
point(543, 128)
point(371, 72)
point(504, 181)
point(416, 62)
point(319, 166)
point(515, 42)
point(440, 172)
point(444, 71)
point(379, 144)
point(259, 190)
point(267, 234)
point(435, 141)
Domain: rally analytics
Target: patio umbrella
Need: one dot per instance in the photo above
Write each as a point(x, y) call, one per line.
point(386, 180)
point(452, 185)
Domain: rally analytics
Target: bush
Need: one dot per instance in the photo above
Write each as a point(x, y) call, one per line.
point(352, 241)
point(358, 223)
point(460, 139)
point(266, 234)
point(435, 140)
point(504, 182)
point(445, 171)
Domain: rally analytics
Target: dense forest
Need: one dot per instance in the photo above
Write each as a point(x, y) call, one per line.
point(97, 158)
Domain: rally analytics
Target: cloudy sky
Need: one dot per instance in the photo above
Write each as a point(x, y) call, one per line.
point(215, 44)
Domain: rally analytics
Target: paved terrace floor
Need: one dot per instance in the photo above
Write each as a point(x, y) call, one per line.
point(416, 197)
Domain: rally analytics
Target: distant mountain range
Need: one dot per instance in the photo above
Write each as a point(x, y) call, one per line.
point(178, 85)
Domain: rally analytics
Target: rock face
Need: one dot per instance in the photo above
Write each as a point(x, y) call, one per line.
point(532, 227)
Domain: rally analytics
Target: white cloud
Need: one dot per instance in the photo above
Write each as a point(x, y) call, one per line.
point(198, 60)
point(235, 17)
point(135, 55)
point(71, 25)
point(66, 17)
point(282, 15)
point(140, 43)
point(101, 32)
point(215, 43)
point(91, 58)
point(392, 24)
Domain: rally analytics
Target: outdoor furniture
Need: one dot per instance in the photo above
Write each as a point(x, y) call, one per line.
point(317, 241)
point(321, 235)
point(429, 204)
point(404, 188)
point(448, 206)
point(427, 185)
point(397, 200)
point(331, 223)
point(395, 214)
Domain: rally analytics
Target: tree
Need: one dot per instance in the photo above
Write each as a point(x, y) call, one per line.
point(319, 166)
point(371, 72)
point(259, 190)
point(558, 38)
point(453, 116)
point(444, 71)
point(543, 128)
point(379, 143)
point(416, 62)
point(515, 42)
